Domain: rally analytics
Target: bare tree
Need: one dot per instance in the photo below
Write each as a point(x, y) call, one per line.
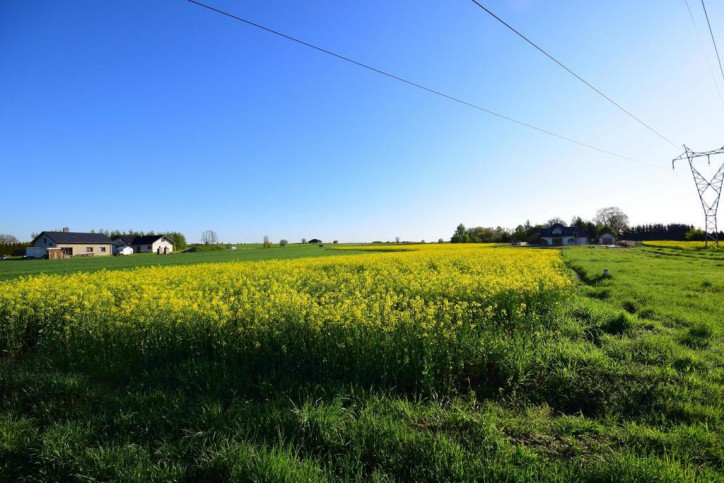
point(8, 239)
point(553, 221)
point(266, 243)
point(209, 237)
point(613, 217)
point(397, 239)
point(304, 240)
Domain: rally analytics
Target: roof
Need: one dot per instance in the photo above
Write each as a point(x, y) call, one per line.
point(141, 240)
point(564, 231)
point(70, 237)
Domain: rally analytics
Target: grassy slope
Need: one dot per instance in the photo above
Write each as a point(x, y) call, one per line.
point(15, 268)
point(624, 385)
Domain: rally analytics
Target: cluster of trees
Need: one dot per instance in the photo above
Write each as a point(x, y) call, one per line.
point(480, 234)
point(10, 244)
point(611, 219)
point(673, 231)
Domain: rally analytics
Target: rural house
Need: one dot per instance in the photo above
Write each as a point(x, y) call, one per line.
point(160, 244)
point(66, 244)
point(558, 234)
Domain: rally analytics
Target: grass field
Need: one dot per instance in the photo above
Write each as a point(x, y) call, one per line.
point(440, 363)
point(13, 268)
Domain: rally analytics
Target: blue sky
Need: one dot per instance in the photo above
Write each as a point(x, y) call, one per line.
point(165, 116)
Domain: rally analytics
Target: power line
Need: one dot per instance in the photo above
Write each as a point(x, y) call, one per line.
point(420, 86)
point(701, 48)
point(576, 75)
point(712, 38)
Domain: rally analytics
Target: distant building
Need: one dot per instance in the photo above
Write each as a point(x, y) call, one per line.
point(66, 244)
point(159, 244)
point(558, 235)
point(123, 250)
point(606, 238)
point(314, 240)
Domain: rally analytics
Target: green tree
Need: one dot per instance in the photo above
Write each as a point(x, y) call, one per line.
point(461, 235)
point(179, 240)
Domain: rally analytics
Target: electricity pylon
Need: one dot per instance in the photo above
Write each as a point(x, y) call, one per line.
point(709, 199)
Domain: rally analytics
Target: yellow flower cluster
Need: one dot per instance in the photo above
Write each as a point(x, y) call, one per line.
point(681, 245)
point(297, 308)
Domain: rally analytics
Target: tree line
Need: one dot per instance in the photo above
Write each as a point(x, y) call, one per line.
point(611, 219)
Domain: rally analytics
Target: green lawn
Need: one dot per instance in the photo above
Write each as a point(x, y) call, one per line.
point(19, 267)
point(624, 381)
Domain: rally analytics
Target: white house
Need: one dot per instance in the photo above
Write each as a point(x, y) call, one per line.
point(159, 244)
point(557, 235)
point(123, 250)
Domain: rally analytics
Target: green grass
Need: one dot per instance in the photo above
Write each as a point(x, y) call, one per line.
point(13, 268)
point(623, 382)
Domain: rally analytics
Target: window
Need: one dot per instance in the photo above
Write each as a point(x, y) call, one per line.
point(89, 249)
point(557, 231)
point(150, 247)
point(103, 249)
point(45, 240)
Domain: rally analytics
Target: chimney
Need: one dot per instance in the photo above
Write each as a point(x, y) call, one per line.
point(66, 229)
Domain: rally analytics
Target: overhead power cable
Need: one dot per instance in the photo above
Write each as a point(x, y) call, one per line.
point(420, 86)
point(701, 48)
point(598, 91)
point(706, 14)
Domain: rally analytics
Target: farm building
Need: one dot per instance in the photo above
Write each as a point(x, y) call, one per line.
point(66, 244)
point(558, 234)
point(606, 238)
point(160, 244)
point(123, 250)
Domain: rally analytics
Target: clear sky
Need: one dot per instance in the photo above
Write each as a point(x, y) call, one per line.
point(164, 116)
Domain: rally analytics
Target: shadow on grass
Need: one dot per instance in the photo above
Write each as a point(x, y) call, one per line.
point(585, 277)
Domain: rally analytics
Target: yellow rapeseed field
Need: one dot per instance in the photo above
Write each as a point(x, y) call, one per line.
point(420, 307)
point(682, 245)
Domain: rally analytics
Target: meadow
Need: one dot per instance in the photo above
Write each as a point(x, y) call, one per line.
point(433, 363)
point(13, 268)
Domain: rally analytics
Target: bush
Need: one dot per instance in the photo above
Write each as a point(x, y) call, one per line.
point(205, 248)
point(283, 243)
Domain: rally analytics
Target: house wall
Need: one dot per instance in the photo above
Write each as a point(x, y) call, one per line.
point(163, 243)
point(567, 240)
point(35, 252)
point(141, 248)
point(154, 247)
point(44, 242)
point(82, 248)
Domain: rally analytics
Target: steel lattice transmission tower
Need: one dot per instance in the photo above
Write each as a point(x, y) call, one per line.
point(709, 199)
